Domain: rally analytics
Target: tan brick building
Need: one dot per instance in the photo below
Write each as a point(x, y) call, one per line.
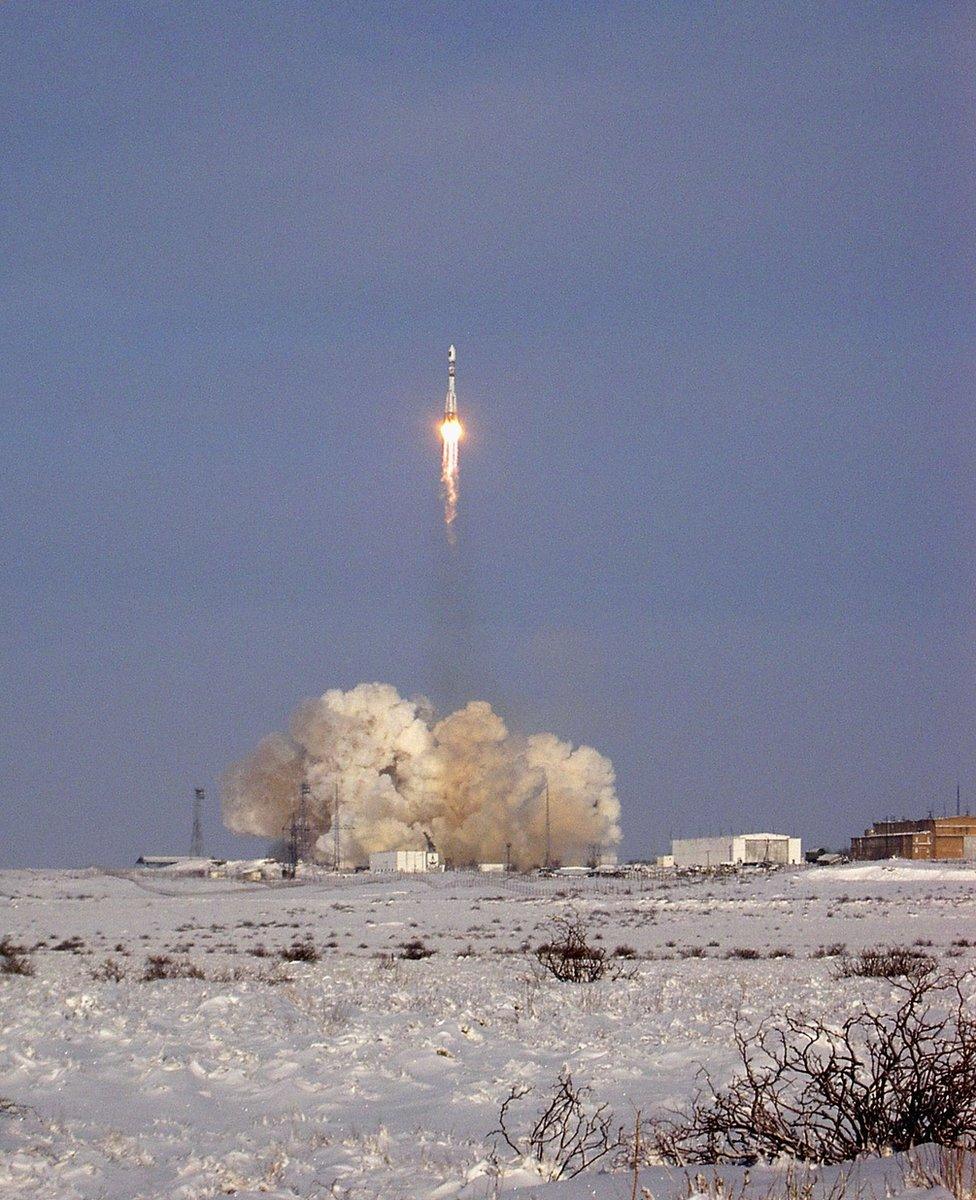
point(933, 838)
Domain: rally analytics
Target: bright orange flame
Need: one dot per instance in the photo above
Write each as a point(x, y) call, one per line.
point(451, 432)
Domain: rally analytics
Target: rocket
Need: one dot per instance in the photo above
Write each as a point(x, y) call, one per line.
point(451, 434)
point(450, 404)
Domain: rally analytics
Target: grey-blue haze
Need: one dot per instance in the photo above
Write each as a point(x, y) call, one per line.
point(709, 270)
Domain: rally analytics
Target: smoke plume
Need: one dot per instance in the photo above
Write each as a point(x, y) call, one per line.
point(466, 780)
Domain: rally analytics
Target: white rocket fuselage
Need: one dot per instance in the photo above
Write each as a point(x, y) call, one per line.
point(450, 404)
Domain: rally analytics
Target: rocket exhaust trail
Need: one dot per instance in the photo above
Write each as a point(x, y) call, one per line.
point(451, 433)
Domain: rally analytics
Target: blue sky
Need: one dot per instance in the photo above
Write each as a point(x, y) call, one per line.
point(709, 271)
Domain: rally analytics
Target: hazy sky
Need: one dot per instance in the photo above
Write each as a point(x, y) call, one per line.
point(709, 270)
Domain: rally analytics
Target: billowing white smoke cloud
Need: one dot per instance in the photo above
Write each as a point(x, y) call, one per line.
point(465, 780)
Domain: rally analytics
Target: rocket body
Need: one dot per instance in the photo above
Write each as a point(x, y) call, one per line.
point(451, 434)
point(450, 404)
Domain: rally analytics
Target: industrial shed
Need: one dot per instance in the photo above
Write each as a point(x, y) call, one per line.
point(737, 850)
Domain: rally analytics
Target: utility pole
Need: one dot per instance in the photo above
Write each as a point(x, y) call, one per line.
point(196, 835)
point(958, 800)
point(290, 829)
point(508, 858)
point(336, 857)
point(548, 862)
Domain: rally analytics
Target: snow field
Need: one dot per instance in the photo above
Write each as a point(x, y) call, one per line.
point(366, 1076)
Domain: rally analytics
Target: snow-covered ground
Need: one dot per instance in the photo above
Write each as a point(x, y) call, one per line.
point(364, 1074)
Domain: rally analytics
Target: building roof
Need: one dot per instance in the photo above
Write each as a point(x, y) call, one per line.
point(172, 860)
point(762, 837)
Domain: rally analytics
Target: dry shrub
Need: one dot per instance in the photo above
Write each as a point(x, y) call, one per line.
point(161, 966)
point(71, 945)
point(14, 959)
point(886, 962)
point(415, 950)
point(111, 971)
point(275, 974)
point(572, 958)
point(877, 1083)
point(834, 950)
point(301, 951)
point(949, 1167)
point(568, 1134)
point(796, 1183)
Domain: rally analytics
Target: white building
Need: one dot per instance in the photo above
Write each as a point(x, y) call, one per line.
point(405, 862)
point(737, 849)
point(176, 862)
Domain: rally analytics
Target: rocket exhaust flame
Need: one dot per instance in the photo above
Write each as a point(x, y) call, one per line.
point(451, 432)
point(450, 462)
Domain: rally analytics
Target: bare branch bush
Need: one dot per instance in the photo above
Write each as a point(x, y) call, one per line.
point(14, 959)
point(572, 958)
point(886, 962)
point(568, 1135)
point(879, 1082)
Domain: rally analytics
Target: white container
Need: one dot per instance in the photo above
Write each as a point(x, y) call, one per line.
point(404, 862)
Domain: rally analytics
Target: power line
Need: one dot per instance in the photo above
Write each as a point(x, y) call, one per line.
point(548, 862)
point(336, 856)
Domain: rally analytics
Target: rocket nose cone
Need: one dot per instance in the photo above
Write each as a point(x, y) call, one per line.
point(451, 354)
